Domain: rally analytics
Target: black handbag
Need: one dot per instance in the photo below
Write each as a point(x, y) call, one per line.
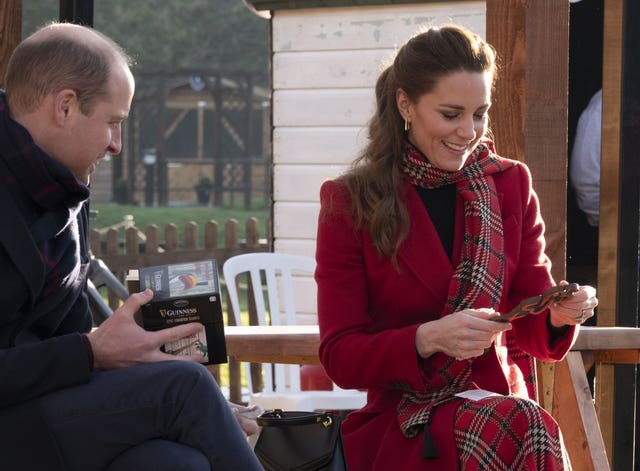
point(300, 441)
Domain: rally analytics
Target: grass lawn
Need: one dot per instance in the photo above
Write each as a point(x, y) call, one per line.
point(111, 213)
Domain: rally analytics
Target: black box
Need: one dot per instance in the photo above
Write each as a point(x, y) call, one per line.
point(186, 292)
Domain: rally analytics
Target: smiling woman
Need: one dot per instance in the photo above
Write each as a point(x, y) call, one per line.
point(420, 244)
point(448, 123)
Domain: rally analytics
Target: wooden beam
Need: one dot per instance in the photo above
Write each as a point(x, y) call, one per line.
point(506, 32)
point(609, 211)
point(10, 32)
point(529, 112)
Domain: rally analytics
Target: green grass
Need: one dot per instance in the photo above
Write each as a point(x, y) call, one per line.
point(111, 214)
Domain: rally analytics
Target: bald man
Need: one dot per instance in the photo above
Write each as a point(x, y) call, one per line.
point(72, 399)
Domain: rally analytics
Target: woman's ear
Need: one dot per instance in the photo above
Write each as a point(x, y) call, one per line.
point(404, 104)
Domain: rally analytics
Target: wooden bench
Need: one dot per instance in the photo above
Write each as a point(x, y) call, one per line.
point(563, 386)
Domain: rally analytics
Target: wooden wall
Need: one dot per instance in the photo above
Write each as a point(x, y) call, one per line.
point(325, 64)
point(529, 112)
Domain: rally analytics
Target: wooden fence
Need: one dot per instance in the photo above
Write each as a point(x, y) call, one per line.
point(142, 249)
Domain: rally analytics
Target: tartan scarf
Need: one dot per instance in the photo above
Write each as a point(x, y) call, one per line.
point(478, 279)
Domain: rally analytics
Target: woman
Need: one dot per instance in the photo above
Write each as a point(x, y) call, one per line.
point(419, 244)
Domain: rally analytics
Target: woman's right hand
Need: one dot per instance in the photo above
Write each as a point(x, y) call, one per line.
point(462, 335)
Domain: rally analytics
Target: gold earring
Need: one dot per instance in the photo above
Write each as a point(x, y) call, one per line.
point(407, 125)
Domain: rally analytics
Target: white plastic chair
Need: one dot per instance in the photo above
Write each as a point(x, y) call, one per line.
point(286, 392)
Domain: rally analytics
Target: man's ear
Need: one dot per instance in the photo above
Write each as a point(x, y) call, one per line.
point(65, 104)
point(404, 104)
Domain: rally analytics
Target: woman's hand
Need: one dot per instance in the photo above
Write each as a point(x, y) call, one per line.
point(575, 309)
point(461, 335)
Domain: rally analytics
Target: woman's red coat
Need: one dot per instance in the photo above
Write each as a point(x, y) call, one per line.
point(369, 312)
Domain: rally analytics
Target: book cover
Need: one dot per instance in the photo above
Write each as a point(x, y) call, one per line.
point(186, 292)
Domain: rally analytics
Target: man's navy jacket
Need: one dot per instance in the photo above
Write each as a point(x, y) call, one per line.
point(43, 302)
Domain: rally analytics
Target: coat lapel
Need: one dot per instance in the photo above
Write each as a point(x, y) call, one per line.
point(422, 252)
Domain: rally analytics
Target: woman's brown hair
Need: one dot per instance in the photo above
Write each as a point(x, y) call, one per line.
point(375, 180)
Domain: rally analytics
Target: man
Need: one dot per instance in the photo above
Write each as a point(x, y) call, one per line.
point(69, 398)
point(584, 172)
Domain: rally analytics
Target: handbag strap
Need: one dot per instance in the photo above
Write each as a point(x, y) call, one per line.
point(278, 417)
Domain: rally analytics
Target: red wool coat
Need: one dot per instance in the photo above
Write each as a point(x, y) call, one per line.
point(369, 312)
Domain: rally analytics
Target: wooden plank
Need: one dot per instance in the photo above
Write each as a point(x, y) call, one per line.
point(308, 179)
point(609, 211)
point(596, 446)
point(318, 145)
point(296, 247)
point(546, 91)
point(506, 32)
point(10, 32)
point(329, 69)
point(554, 220)
point(295, 220)
point(351, 107)
point(529, 112)
point(567, 413)
point(607, 338)
point(277, 347)
point(366, 27)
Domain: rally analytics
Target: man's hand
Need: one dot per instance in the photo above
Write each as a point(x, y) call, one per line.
point(120, 342)
point(246, 417)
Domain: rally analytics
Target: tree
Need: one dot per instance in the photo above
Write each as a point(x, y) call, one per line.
point(217, 34)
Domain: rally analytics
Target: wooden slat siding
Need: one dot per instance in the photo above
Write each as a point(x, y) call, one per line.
point(609, 209)
point(308, 179)
point(296, 247)
point(329, 69)
point(325, 64)
point(10, 32)
point(334, 107)
point(295, 220)
point(366, 27)
point(317, 145)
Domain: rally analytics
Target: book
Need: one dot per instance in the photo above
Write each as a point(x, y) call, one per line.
point(186, 292)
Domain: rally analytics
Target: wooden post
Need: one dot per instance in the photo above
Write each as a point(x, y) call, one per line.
point(10, 32)
point(529, 113)
point(618, 229)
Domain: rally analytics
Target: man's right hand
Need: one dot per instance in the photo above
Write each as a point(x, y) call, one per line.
point(120, 342)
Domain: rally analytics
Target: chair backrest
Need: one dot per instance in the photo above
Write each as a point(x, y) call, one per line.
point(276, 269)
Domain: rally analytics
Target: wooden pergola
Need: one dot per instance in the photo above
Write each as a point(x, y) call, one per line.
point(529, 120)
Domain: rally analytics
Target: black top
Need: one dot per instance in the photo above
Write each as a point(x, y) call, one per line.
point(440, 203)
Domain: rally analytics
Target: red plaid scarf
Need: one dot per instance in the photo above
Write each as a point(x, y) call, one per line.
point(477, 281)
